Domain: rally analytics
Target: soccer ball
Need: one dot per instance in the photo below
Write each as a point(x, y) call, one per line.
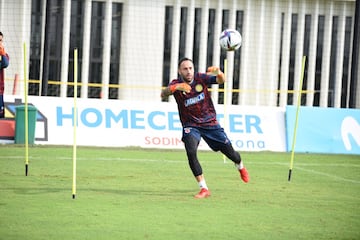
point(230, 40)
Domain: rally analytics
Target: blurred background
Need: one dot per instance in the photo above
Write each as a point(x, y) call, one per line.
point(129, 50)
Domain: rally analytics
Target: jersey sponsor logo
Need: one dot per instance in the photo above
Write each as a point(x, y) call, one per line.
point(194, 100)
point(198, 88)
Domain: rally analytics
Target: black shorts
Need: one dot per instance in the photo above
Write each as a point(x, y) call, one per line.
point(216, 137)
point(2, 106)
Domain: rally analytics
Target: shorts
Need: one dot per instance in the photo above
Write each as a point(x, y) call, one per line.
point(215, 137)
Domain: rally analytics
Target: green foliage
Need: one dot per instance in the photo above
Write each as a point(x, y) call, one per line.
point(132, 193)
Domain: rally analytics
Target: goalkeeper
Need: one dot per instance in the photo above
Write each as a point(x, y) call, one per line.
point(198, 118)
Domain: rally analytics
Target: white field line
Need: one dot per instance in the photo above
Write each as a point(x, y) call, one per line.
point(327, 175)
point(182, 161)
point(95, 158)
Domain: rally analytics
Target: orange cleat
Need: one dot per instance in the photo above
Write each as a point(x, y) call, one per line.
point(204, 193)
point(244, 175)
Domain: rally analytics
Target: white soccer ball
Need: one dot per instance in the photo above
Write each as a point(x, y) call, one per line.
point(230, 40)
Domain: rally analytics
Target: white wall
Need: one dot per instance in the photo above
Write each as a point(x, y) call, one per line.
point(15, 26)
point(141, 59)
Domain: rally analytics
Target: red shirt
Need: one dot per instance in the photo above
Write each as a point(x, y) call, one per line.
point(196, 108)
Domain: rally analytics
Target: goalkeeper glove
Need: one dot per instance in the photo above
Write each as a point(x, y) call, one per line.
point(2, 50)
point(184, 87)
point(215, 71)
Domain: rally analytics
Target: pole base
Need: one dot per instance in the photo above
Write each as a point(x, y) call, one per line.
point(289, 177)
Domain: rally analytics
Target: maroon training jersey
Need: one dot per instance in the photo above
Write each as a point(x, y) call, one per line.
point(196, 108)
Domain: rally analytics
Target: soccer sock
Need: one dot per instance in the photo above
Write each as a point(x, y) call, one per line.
point(202, 184)
point(240, 165)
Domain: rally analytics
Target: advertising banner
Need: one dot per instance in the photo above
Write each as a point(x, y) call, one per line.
point(116, 123)
point(324, 130)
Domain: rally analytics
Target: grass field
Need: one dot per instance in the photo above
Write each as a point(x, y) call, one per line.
point(148, 194)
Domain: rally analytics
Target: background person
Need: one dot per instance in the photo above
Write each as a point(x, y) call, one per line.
point(4, 62)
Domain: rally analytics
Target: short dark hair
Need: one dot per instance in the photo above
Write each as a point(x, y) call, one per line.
point(1, 34)
point(184, 59)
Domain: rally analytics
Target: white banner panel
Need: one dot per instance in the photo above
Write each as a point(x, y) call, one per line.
point(117, 123)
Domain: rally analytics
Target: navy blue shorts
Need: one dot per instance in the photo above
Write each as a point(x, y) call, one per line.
point(2, 107)
point(215, 137)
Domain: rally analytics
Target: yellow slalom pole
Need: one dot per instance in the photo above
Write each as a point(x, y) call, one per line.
point(26, 115)
point(297, 117)
point(74, 123)
point(225, 100)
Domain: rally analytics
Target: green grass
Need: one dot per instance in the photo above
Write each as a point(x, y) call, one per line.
point(148, 194)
